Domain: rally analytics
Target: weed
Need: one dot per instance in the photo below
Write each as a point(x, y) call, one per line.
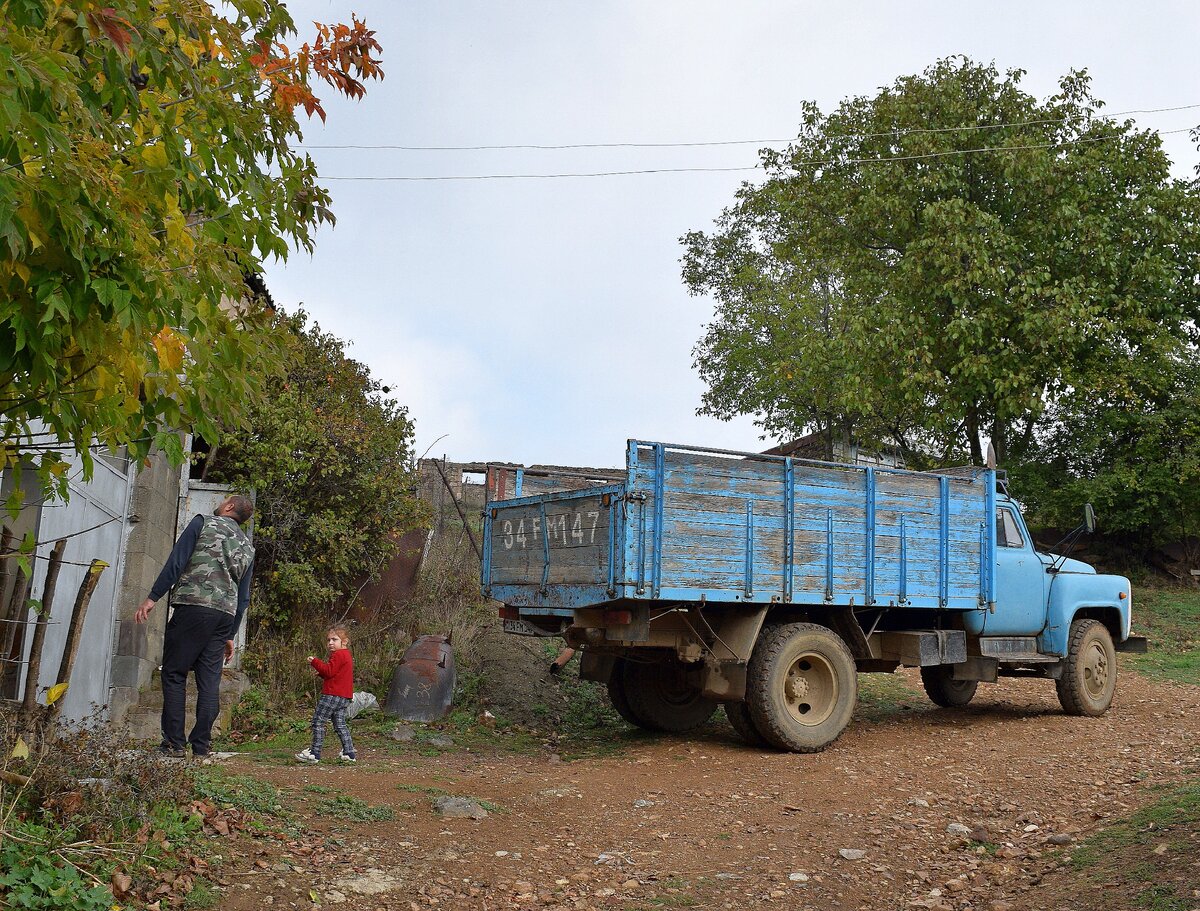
point(345, 807)
point(318, 789)
point(42, 871)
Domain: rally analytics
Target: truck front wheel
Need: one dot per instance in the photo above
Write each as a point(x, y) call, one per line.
point(801, 687)
point(666, 696)
point(1089, 676)
point(944, 690)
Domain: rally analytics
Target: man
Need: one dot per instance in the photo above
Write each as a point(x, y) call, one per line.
point(209, 570)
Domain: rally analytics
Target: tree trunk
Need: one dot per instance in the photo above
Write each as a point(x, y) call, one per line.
point(1000, 440)
point(972, 423)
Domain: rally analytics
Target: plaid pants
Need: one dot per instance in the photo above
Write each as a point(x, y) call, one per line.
point(331, 708)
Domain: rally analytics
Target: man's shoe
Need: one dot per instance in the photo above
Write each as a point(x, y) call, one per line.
point(306, 755)
point(172, 752)
point(342, 757)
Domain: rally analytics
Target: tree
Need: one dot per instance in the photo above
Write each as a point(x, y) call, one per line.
point(330, 459)
point(145, 166)
point(936, 265)
point(1130, 448)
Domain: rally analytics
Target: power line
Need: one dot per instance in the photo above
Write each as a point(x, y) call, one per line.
point(795, 164)
point(739, 142)
point(548, 176)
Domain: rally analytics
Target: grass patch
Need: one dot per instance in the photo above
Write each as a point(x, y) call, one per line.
point(1148, 856)
point(201, 896)
point(1170, 618)
point(882, 696)
point(345, 807)
point(239, 791)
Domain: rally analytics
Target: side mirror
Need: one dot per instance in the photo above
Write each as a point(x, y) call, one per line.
point(1089, 518)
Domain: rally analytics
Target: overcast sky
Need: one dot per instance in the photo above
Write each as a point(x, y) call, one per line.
point(545, 320)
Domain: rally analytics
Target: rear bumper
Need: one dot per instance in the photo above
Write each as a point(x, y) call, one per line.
point(1137, 644)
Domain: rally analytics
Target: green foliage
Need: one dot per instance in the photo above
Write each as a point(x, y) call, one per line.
point(343, 807)
point(145, 166)
point(329, 456)
point(37, 876)
point(936, 298)
point(1130, 445)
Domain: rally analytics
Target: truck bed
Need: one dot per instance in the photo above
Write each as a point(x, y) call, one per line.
point(690, 524)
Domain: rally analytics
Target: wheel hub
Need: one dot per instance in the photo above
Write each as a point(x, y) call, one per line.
point(796, 688)
point(1096, 671)
point(810, 689)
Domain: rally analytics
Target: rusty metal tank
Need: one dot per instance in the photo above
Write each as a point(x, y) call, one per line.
point(423, 684)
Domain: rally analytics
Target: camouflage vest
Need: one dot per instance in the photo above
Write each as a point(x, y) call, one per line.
point(221, 557)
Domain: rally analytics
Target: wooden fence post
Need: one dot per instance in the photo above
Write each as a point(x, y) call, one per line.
point(75, 630)
point(39, 630)
point(13, 622)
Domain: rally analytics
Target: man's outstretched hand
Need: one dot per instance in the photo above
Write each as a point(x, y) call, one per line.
point(143, 612)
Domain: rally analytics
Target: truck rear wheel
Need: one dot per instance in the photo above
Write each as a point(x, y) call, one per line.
point(1089, 676)
point(738, 714)
point(801, 687)
point(666, 696)
point(618, 696)
point(944, 690)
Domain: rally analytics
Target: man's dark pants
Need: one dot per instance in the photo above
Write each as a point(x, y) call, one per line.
point(195, 641)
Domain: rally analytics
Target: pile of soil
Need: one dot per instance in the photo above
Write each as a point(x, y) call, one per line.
point(517, 687)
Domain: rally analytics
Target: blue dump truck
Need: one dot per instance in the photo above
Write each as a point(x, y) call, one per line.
point(702, 577)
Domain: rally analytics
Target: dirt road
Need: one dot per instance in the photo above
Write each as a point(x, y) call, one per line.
point(974, 808)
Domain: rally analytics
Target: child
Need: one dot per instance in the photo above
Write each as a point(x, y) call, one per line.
point(335, 696)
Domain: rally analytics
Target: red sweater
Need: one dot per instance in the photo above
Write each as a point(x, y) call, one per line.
point(338, 673)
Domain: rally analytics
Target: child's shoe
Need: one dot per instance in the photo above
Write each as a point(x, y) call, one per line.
point(306, 755)
point(342, 757)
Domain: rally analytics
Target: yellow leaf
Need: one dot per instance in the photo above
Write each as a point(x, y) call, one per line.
point(22, 270)
point(312, 894)
point(192, 49)
point(55, 693)
point(21, 750)
point(170, 347)
point(155, 155)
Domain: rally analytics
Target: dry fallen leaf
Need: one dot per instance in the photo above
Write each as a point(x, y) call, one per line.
point(121, 884)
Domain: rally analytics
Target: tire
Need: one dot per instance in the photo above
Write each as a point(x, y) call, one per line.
point(666, 696)
point(617, 695)
point(801, 687)
point(738, 714)
point(944, 690)
point(1089, 676)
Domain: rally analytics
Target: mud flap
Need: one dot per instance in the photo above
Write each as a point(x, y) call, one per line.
point(423, 684)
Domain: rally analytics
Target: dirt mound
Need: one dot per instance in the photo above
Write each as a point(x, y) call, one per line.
point(516, 686)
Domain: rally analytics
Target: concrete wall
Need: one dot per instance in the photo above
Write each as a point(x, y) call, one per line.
point(137, 652)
